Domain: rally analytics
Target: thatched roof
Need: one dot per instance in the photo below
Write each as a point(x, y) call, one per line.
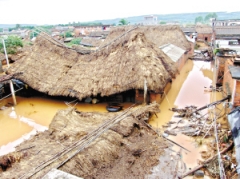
point(128, 149)
point(2, 57)
point(204, 29)
point(92, 41)
point(102, 33)
point(159, 35)
point(124, 65)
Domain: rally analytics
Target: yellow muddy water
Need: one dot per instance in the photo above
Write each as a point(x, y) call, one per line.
point(31, 115)
point(191, 87)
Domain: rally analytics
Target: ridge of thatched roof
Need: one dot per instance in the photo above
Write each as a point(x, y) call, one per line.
point(122, 66)
point(160, 35)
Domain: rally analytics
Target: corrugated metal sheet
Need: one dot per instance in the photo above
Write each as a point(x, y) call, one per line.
point(235, 72)
point(172, 51)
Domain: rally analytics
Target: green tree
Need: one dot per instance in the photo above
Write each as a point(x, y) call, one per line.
point(17, 26)
point(209, 16)
point(123, 22)
point(163, 22)
point(11, 43)
point(68, 34)
point(199, 19)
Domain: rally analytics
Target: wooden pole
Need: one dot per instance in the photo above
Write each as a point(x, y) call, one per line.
point(206, 161)
point(145, 90)
point(10, 81)
point(13, 93)
point(5, 51)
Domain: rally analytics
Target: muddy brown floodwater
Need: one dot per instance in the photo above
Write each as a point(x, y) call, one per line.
point(35, 114)
point(189, 88)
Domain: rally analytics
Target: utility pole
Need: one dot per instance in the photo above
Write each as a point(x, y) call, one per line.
point(10, 81)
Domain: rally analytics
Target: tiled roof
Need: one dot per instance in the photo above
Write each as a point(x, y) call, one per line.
point(227, 30)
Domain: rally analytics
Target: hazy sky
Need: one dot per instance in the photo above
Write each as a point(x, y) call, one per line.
point(64, 11)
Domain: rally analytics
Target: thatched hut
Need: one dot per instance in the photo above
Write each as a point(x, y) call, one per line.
point(159, 35)
point(122, 66)
point(78, 143)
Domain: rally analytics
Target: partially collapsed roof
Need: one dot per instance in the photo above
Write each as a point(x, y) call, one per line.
point(122, 66)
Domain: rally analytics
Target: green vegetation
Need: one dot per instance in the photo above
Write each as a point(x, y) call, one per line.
point(199, 19)
point(11, 43)
point(74, 42)
point(215, 51)
point(123, 22)
point(163, 22)
point(206, 19)
point(209, 16)
point(67, 34)
point(34, 33)
point(196, 46)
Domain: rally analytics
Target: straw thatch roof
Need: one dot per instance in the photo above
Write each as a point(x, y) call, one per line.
point(160, 35)
point(2, 57)
point(128, 149)
point(102, 33)
point(92, 41)
point(124, 65)
point(204, 29)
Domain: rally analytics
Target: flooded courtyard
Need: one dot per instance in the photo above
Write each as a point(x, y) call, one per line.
point(32, 115)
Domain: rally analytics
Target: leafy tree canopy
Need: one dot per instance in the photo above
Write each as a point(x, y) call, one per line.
point(11, 44)
point(123, 22)
point(199, 19)
point(163, 22)
point(67, 34)
point(209, 16)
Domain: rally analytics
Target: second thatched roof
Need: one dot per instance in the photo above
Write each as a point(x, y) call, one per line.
point(124, 65)
point(159, 35)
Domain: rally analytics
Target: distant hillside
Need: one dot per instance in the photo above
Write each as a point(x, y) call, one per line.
point(14, 25)
point(184, 18)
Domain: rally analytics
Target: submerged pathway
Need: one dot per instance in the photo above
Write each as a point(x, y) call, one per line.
point(189, 88)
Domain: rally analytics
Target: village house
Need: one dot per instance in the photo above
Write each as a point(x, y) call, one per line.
point(190, 32)
point(150, 20)
point(231, 80)
point(221, 56)
point(227, 37)
point(204, 33)
point(87, 30)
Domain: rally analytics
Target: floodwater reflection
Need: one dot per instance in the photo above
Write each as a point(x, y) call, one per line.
point(187, 89)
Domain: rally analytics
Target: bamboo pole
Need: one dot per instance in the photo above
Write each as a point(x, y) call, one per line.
point(5, 51)
point(13, 93)
point(145, 91)
point(10, 82)
point(206, 161)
